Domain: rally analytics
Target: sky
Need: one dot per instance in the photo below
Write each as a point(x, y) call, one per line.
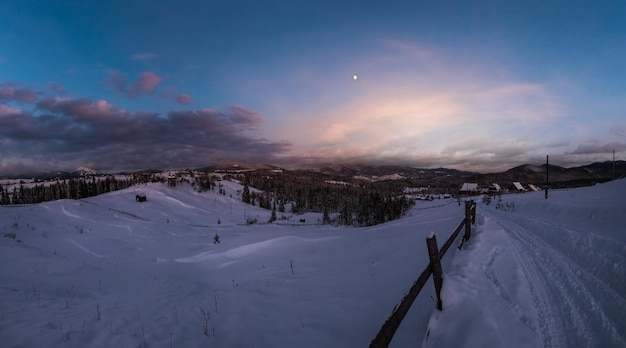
point(482, 85)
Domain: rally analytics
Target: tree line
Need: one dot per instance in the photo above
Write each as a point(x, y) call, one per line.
point(72, 188)
point(340, 200)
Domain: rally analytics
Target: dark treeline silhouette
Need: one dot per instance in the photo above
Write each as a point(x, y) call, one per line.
point(342, 201)
point(73, 188)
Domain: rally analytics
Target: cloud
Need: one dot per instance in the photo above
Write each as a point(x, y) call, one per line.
point(65, 132)
point(144, 56)
point(16, 92)
point(22, 167)
point(485, 123)
point(145, 83)
point(619, 130)
point(417, 104)
point(81, 110)
point(598, 149)
point(183, 99)
point(169, 92)
point(7, 111)
point(57, 88)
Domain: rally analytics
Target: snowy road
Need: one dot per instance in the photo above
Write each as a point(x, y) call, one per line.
point(577, 289)
point(544, 273)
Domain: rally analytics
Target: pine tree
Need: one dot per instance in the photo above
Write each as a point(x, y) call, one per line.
point(5, 197)
point(281, 206)
point(245, 196)
point(273, 216)
point(325, 217)
point(15, 199)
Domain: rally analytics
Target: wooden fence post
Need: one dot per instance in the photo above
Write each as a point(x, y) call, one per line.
point(435, 265)
point(473, 212)
point(468, 220)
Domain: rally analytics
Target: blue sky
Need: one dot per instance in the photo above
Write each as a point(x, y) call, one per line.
point(483, 85)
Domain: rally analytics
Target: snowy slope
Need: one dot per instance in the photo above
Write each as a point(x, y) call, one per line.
point(111, 272)
point(548, 273)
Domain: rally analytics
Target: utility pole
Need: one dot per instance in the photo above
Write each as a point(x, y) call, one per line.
point(613, 177)
point(547, 169)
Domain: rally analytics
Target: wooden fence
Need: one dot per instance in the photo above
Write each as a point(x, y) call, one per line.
point(384, 336)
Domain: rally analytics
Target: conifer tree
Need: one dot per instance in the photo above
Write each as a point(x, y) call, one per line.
point(273, 216)
point(245, 196)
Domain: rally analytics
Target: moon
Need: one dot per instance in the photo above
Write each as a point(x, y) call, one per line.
point(355, 77)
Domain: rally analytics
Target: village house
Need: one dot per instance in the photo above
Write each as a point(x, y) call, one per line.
point(469, 189)
point(494, 188)
point(516, 187)
point(171, 180)
point(533, 187)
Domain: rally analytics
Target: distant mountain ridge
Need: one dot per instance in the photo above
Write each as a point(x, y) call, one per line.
point(594, 171)
point(373, 172)
point(526, 173)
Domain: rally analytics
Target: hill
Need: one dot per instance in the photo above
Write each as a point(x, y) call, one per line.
point(109, 271)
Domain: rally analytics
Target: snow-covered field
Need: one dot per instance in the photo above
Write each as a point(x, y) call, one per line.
point(110, 272)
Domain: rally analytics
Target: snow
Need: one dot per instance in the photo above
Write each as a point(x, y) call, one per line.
point(518, 186)
point(468, 187)
point(548, 273)
point(108, 271)
point(86, 171)
point(496, 187)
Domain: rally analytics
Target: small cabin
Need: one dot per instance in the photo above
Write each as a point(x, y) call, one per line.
point(516, 186)
point(494, 188)
point(171, 180)
point(140, 197)
point(469, 189)
point(534, 187)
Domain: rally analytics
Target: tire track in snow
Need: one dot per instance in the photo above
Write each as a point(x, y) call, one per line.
point(81, 247)
point(574, 307)
point(506, 294)
point(510, 288)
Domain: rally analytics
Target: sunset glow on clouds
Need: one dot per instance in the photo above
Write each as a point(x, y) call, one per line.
point(480, 86)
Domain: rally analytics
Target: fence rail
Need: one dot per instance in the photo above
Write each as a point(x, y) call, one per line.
point(385, 335)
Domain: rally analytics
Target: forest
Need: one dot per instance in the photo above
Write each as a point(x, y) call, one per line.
point(340, 200)
point(72, 188)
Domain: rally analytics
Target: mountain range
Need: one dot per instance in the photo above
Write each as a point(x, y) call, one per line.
point(526, 173)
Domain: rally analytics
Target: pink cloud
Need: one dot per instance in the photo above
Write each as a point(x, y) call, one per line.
point(183, 99)
point(144, 56)
point(146, 83)
point(82, 109)
point(57, 88)
point(17, 93)
point(7, 111)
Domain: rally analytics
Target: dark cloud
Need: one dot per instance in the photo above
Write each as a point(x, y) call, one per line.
point(145, 83)
point(74, 132)
point(593, 149)
point(16, 92)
